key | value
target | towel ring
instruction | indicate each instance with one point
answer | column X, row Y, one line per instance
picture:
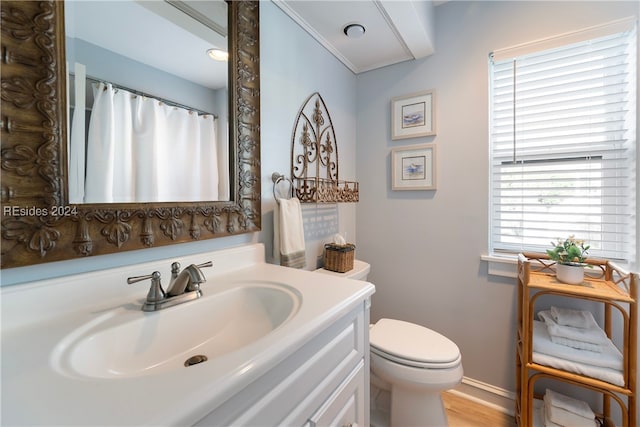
column 276, row 178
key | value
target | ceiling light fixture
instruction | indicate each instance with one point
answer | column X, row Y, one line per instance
column 354, row 31
column 218, row 54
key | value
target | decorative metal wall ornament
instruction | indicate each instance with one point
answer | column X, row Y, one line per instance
column 314, row 157
column 38, row 225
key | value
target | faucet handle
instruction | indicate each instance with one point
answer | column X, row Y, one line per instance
column 156, row 293
column 175, row 270
column 135, row 279
column 205, row 264
column 175, row 267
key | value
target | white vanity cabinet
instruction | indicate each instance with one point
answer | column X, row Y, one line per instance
column 283, row 347
column 345, row 406
column 325, row 382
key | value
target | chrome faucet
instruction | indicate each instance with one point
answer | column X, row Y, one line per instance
column 184, row 286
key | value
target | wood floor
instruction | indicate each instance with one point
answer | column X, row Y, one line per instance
column 466, row 413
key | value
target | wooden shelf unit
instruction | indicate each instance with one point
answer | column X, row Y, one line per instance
column 605, row 283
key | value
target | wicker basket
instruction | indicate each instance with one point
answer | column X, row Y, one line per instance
column 339, row 257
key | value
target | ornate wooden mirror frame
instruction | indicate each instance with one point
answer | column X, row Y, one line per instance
column 38, row 224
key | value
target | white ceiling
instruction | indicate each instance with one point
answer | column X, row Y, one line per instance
column 396, row 31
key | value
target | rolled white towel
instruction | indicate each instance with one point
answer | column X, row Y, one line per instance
column 593, row 335
column 568, row 405
column 576, row 318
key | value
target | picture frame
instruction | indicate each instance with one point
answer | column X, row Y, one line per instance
column 413, row 115
column 413, row 167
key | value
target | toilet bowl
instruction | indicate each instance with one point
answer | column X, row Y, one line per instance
column 410, row 366
column 415, row 364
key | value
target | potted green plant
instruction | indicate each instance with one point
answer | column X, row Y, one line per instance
column 570, row 255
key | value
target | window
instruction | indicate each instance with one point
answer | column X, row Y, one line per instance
column 563, row 142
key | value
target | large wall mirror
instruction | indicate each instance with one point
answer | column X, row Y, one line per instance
column 43, row 217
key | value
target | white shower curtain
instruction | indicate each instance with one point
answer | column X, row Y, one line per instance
column 142, row 150
column 77, row 138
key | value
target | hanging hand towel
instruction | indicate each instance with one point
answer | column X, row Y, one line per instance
column 290, row 233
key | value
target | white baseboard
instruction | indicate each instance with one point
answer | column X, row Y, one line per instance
column 486, row 394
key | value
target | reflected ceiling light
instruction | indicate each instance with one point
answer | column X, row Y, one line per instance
column 354, row 31
column 218, row 54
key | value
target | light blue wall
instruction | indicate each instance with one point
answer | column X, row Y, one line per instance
column 293, row 66
column 425, row 247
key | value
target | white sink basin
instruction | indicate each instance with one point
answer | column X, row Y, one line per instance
column 82, row 340
column 131, row 344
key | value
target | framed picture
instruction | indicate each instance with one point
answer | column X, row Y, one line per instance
column 413, row 167
column 413, row 115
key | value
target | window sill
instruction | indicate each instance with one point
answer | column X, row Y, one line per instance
column 504, row 265
column 507, row 265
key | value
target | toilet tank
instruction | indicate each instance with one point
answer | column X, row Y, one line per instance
column 360, row 271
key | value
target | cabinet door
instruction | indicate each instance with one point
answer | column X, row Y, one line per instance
column 345, row 407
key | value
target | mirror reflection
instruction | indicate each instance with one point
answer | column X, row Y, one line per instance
column 147, row 105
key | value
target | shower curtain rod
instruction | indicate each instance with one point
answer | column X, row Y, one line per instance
column 139, row 93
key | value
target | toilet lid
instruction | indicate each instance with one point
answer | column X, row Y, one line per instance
column 412, row 344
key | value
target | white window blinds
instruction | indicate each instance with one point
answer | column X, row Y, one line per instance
column 563, row 142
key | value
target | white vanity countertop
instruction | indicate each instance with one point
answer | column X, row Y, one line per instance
column 37, row 317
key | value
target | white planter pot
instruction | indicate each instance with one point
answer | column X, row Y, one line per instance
column 571, row 274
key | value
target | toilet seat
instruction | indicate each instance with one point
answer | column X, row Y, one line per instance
column 413, row 345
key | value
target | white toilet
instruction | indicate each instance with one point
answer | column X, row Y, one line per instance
column 410, row 366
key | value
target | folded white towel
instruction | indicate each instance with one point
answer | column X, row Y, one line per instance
column 611, row 376
column 576, row 318
column 597, row 348
column 555, row 416
column 610, row 358
column 289, row 233
column 592, row 335
column 546, row 421
column 567, row 411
